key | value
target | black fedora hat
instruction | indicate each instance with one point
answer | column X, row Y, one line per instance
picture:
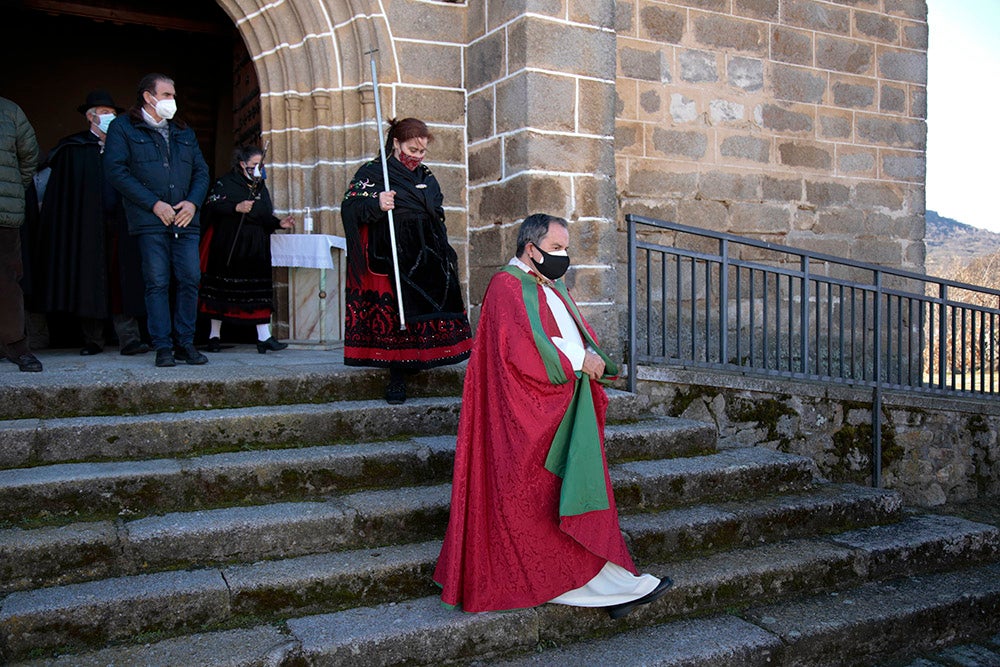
column 99, row 98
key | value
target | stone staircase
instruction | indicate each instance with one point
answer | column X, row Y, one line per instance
column 285, row 516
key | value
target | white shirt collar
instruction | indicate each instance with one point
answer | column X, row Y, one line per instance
column 149, row 120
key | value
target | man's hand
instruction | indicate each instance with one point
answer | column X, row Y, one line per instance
column 164, row 212
column 244, row 206
column 185, row 213
column 593, row 365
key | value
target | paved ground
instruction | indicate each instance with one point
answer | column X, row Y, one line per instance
column 63, row 367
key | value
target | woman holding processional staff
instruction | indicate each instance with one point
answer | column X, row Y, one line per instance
column 433, row 329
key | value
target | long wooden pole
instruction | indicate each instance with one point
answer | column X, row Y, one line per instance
column 385, row 178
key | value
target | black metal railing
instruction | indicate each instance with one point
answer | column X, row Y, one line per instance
column 703, row 299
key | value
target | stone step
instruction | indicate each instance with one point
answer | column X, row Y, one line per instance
column 407, row 630
column 893, row 619
column 39, row 441
column 708, row 528
column 364, row 518
column 33, row 442
column 889, row 619
column 129, row 488
column 730, row 474
column 123, row 386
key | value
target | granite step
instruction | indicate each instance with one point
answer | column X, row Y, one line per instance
column 708, row 528
column 107, row 387
column 39, row 441
column 87, row 551
column 362, row 518
column 129, row 488
column 859, row 626
column 885, row 619
column 386, row 580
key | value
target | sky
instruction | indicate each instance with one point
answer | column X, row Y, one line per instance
column 963, row 111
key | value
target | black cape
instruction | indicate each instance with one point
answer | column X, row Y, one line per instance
column 84, row 262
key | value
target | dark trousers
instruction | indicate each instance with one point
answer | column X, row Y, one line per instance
column 12, row 333
column 126, row 328
column 163, row 255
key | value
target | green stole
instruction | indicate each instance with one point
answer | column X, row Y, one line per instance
column 575, row 453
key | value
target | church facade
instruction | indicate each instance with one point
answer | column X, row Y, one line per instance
column 796, row 121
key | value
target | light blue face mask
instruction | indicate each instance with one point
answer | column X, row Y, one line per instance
column 104, row 121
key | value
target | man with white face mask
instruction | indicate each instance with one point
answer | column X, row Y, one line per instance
column 82, row 262
column 154, row 161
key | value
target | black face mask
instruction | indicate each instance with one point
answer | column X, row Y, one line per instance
column 552, row 267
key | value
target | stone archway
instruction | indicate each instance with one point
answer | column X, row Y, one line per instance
column 316, row 103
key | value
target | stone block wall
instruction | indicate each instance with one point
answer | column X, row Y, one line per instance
column 800, row 122
column 540, row 91
column 934, row 449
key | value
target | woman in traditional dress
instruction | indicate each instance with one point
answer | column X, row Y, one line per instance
column 236, row 251
column 437, row 330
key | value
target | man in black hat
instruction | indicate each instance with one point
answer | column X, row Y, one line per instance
column 89, row 265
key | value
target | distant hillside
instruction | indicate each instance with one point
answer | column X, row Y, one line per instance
column 952, row 244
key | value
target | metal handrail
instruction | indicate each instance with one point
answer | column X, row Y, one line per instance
column 706, row 299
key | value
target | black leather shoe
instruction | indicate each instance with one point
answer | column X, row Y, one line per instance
column 395, row 392
column 135, row 347
column 190, row 355
column 91, row 349
column 27, row 363
column 165, row 357
column 214, row 345
column 270, row 344
column 625, row 608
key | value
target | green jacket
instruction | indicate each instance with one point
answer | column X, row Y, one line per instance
column 18, row 162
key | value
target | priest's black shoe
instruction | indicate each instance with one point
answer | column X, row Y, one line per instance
column 270, row 344
column 189, row 354
column 214, row 344
column 625, row 608
column 27, row 363
column 91, row 349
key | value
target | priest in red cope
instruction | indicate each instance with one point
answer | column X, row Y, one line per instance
column 533, row 516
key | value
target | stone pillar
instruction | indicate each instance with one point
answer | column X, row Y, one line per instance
column 541, row 139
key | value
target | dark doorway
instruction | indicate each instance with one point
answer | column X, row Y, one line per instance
column 62, row 49
column 67, row 48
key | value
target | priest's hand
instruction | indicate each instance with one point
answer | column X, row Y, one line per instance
column 244, row 206
column 288, row 222
column 593, row 365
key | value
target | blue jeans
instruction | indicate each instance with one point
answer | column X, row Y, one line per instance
column 162, row 254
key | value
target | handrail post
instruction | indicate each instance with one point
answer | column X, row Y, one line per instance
column 804, row 317
column 632, row 300
column 877, row 394
column 723, row 301
column 942, row 335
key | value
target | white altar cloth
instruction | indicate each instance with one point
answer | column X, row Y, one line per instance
column 310, row 251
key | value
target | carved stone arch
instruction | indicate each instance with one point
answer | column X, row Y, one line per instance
column 316, row 106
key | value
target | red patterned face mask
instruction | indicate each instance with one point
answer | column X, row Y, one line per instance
column 409, row 161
